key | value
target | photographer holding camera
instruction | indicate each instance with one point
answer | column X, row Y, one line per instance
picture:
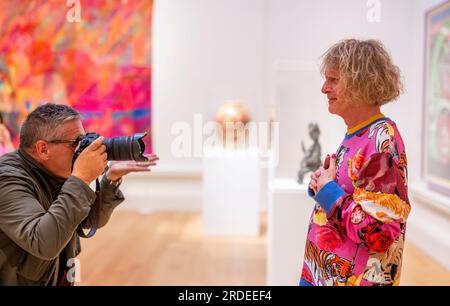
column 45, row 195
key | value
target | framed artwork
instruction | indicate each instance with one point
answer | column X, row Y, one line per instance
column 95, row 58
column 436, row 150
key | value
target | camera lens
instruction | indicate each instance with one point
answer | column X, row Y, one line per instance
column 126, row 147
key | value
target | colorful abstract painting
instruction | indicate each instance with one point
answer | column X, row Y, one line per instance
column 437, row 99
column 94, row 55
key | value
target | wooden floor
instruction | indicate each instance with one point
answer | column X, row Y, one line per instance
column 168, row 248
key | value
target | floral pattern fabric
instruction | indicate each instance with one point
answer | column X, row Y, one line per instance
column 357, row 229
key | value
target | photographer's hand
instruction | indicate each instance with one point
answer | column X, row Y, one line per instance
column 117, row 169
column 91, row 162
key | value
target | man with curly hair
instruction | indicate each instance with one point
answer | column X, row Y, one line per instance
column 357, row 229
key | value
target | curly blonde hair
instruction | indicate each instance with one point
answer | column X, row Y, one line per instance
column 366, row 71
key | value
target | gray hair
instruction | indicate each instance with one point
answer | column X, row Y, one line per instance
column 43, row 123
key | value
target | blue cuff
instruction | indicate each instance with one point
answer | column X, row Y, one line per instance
column 304, row 283
column 328, row 195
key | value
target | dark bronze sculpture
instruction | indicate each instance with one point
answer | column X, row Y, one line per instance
column 312, row 160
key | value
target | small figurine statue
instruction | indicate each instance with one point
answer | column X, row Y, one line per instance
column 312, row 160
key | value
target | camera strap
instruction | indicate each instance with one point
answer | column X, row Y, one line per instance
column 95, row 213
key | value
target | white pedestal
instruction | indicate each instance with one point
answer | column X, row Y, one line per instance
column 231, row 192
column 290, row 208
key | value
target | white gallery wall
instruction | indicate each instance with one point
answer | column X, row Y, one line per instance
column 429, row 221
column 204, row 53
column 266, row 52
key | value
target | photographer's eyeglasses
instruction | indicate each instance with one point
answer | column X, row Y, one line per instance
column 73, row 143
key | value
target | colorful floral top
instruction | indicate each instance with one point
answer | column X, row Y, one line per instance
column 357, row 229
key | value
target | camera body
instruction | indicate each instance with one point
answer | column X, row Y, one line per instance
column 85, row 141
column 117, row 148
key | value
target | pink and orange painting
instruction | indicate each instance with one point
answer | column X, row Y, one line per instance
column 98, row 62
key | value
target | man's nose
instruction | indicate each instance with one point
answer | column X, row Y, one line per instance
column 325, row 88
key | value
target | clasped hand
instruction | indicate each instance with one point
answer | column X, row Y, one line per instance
column 323, row 175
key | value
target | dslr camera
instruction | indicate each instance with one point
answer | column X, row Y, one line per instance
column 117, row 148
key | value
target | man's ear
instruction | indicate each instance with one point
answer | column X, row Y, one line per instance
column 42, row 150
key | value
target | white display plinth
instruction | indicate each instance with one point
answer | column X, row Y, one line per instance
column 231, row 192
column 290, row 208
